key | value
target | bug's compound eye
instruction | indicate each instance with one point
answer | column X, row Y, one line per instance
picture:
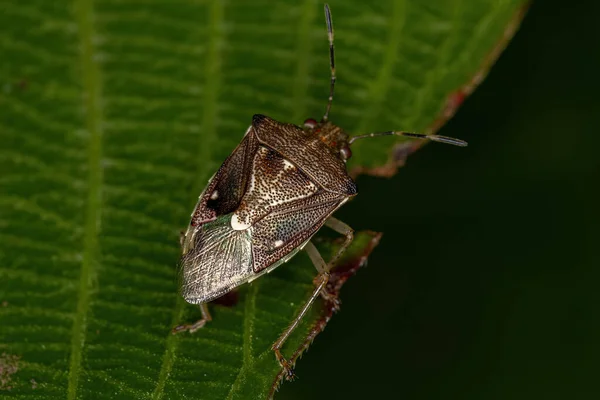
column 345, row 152
column 310, row 123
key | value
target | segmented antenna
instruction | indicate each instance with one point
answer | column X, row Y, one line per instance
column 435, row 138
column 331, row 60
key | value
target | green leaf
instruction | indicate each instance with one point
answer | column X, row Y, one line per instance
column 114, row 114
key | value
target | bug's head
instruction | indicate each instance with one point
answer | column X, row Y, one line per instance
column 331, row 135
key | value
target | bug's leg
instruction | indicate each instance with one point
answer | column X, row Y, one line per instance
column 347, row 231
column 320, row 284
column 343, row 229
column 320, row 287
column 206, row 317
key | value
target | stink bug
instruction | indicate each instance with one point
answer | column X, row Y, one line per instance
column 278, row 187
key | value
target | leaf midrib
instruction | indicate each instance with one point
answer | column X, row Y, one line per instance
column 92, row 90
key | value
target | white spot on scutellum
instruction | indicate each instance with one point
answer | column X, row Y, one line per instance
column 214, row 195
column 278, row 243
column 236, row 225
column 288, row 165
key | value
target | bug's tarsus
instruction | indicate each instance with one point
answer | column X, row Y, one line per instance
column 435, row 138
column 331, row 61
column 331, row 300
column 206, row 317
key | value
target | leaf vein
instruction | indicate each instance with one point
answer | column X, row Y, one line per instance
column 91, row 84
column 210, row 93
column 379, row 88
column 425, row 91
column 247, row 358
column 303, row 49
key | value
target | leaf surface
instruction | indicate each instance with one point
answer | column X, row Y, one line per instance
column 114, row 115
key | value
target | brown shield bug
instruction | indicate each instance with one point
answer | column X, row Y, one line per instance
column 278, row 187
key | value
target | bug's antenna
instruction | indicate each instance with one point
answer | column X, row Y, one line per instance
column 435, row 138
column 331, row 60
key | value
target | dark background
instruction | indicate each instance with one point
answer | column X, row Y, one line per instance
column 485, row 285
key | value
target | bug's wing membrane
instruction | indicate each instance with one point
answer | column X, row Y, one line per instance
column 227, row 187
column 217, row 260
column 276, row 236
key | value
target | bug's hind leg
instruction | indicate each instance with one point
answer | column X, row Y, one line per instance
column 206, row 317
column 320, row 282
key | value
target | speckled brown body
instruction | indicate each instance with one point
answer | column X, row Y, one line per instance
column 270, row 196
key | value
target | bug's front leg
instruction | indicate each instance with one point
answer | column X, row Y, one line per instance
column 343, row 229
column 320, row 282
column 206, row 317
